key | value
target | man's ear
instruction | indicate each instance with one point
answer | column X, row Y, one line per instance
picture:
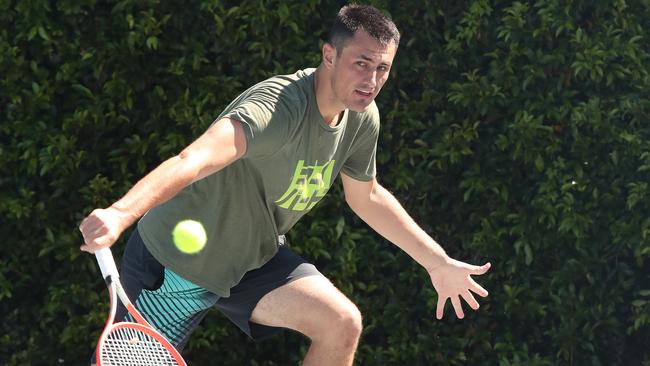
column 329, row 55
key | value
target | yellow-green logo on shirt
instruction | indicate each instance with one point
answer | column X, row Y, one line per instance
column 308, row 186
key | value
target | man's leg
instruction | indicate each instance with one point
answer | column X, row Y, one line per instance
column 314, row 307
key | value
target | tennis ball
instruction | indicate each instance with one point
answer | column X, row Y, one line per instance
column 189, row 236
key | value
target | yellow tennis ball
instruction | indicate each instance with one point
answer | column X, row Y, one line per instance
column 189, row 236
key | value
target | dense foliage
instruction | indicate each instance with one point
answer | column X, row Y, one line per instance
column 514, row 132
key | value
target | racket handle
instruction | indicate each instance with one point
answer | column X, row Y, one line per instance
column 107, row 263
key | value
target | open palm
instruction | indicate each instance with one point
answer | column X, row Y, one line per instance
column 453, row 280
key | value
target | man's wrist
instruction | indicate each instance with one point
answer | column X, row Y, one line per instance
column 125, row 217
column 439, row 260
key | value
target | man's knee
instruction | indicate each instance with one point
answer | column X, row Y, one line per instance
column 352, row 325
column 351, row 321
column 344, row 325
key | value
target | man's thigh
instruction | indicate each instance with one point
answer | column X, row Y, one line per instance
column 284, row 268
column 309, row 305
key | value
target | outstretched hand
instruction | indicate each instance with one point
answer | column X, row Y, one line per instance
column 452, row 280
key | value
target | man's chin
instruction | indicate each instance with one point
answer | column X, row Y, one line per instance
column 360, row 107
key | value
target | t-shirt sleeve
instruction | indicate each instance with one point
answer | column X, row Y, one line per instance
column 361, row 162
column 267, row 117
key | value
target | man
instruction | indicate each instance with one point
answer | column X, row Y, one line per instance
column 269, row 157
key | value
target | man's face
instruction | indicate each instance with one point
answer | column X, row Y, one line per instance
column 360, row 70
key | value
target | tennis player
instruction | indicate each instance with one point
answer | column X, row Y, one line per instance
column 268, row 158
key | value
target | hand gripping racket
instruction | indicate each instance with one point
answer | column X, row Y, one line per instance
column 128, row 343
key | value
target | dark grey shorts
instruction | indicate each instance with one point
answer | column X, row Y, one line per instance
column 176, row 306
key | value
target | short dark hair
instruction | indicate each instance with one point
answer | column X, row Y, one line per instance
column 354, row 17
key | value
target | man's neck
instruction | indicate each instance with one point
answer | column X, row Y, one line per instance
column 329, row 108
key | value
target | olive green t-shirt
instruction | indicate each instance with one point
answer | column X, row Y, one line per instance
column 292, row 159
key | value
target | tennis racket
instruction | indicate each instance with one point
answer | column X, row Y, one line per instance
column 128, row 343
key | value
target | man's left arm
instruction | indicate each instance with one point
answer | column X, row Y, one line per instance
column 381, row 211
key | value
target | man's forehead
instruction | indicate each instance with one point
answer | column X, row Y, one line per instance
column 362, row 45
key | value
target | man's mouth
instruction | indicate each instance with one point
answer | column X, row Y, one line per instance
column 365, row 93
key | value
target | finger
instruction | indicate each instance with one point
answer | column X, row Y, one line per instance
column 440, row 308
column 95, row 245
column 93, row 231
column 83, row 226
column 87, row 220
column 479, row 270
column 89, row 247
column 95, row 241
column 457, row 307
column 93, row 226
column 86, row 225
column 477, row 289
column 470, row 300
column 98, row 231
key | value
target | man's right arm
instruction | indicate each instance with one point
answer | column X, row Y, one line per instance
column 222, row 144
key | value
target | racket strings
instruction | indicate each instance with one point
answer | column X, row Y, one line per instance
column 132, row 347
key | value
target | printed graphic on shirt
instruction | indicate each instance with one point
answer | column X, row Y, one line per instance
column 308, row 186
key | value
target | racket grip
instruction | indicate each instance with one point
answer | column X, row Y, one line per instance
column 107, row 263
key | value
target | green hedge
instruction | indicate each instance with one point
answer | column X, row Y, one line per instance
column 514, row 132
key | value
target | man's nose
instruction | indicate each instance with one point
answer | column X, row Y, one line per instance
column 371, row 78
